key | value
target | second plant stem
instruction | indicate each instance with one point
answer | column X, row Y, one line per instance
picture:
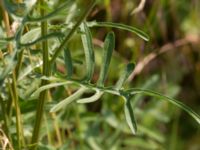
column 46, row 72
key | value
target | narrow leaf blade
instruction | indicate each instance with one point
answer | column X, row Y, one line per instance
column 49, row 86
column 125, row 74
column 91, row 99
column 129, row 115
column 89, row 51
column 68, row 100
column 138, row 32
column 68, row 62
column 109, row 46
column 177, row 103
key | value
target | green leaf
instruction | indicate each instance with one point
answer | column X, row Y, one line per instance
column 93, row 98
column 17, row 9
column 109, row 46
column 32, row 38
column 24, row 72
column 9, row 67
column 129, row 115
column 138, row 32
column 89, row 51
column 71, row 32
column 52, row 85
column 125, row 74
column 171, row 100
column 68, row 62
column 31, row 35
column 68, row 100
column 63, row 9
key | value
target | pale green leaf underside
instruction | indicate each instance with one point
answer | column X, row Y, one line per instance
column 88, row 50
column 93, row 98
column 68, row 100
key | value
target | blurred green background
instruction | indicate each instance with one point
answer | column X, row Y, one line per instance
column 169, row 63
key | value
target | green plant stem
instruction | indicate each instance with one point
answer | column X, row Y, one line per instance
column 19, row 128
column 8, row 32
column 46, row 72
column 67, row 38
column 5, row 118
column 10, row 102
column 19, row 63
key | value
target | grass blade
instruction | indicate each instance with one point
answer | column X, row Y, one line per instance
column 138, row 32
column 109, row 45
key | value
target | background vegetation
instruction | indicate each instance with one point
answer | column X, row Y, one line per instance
column 168, row 63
